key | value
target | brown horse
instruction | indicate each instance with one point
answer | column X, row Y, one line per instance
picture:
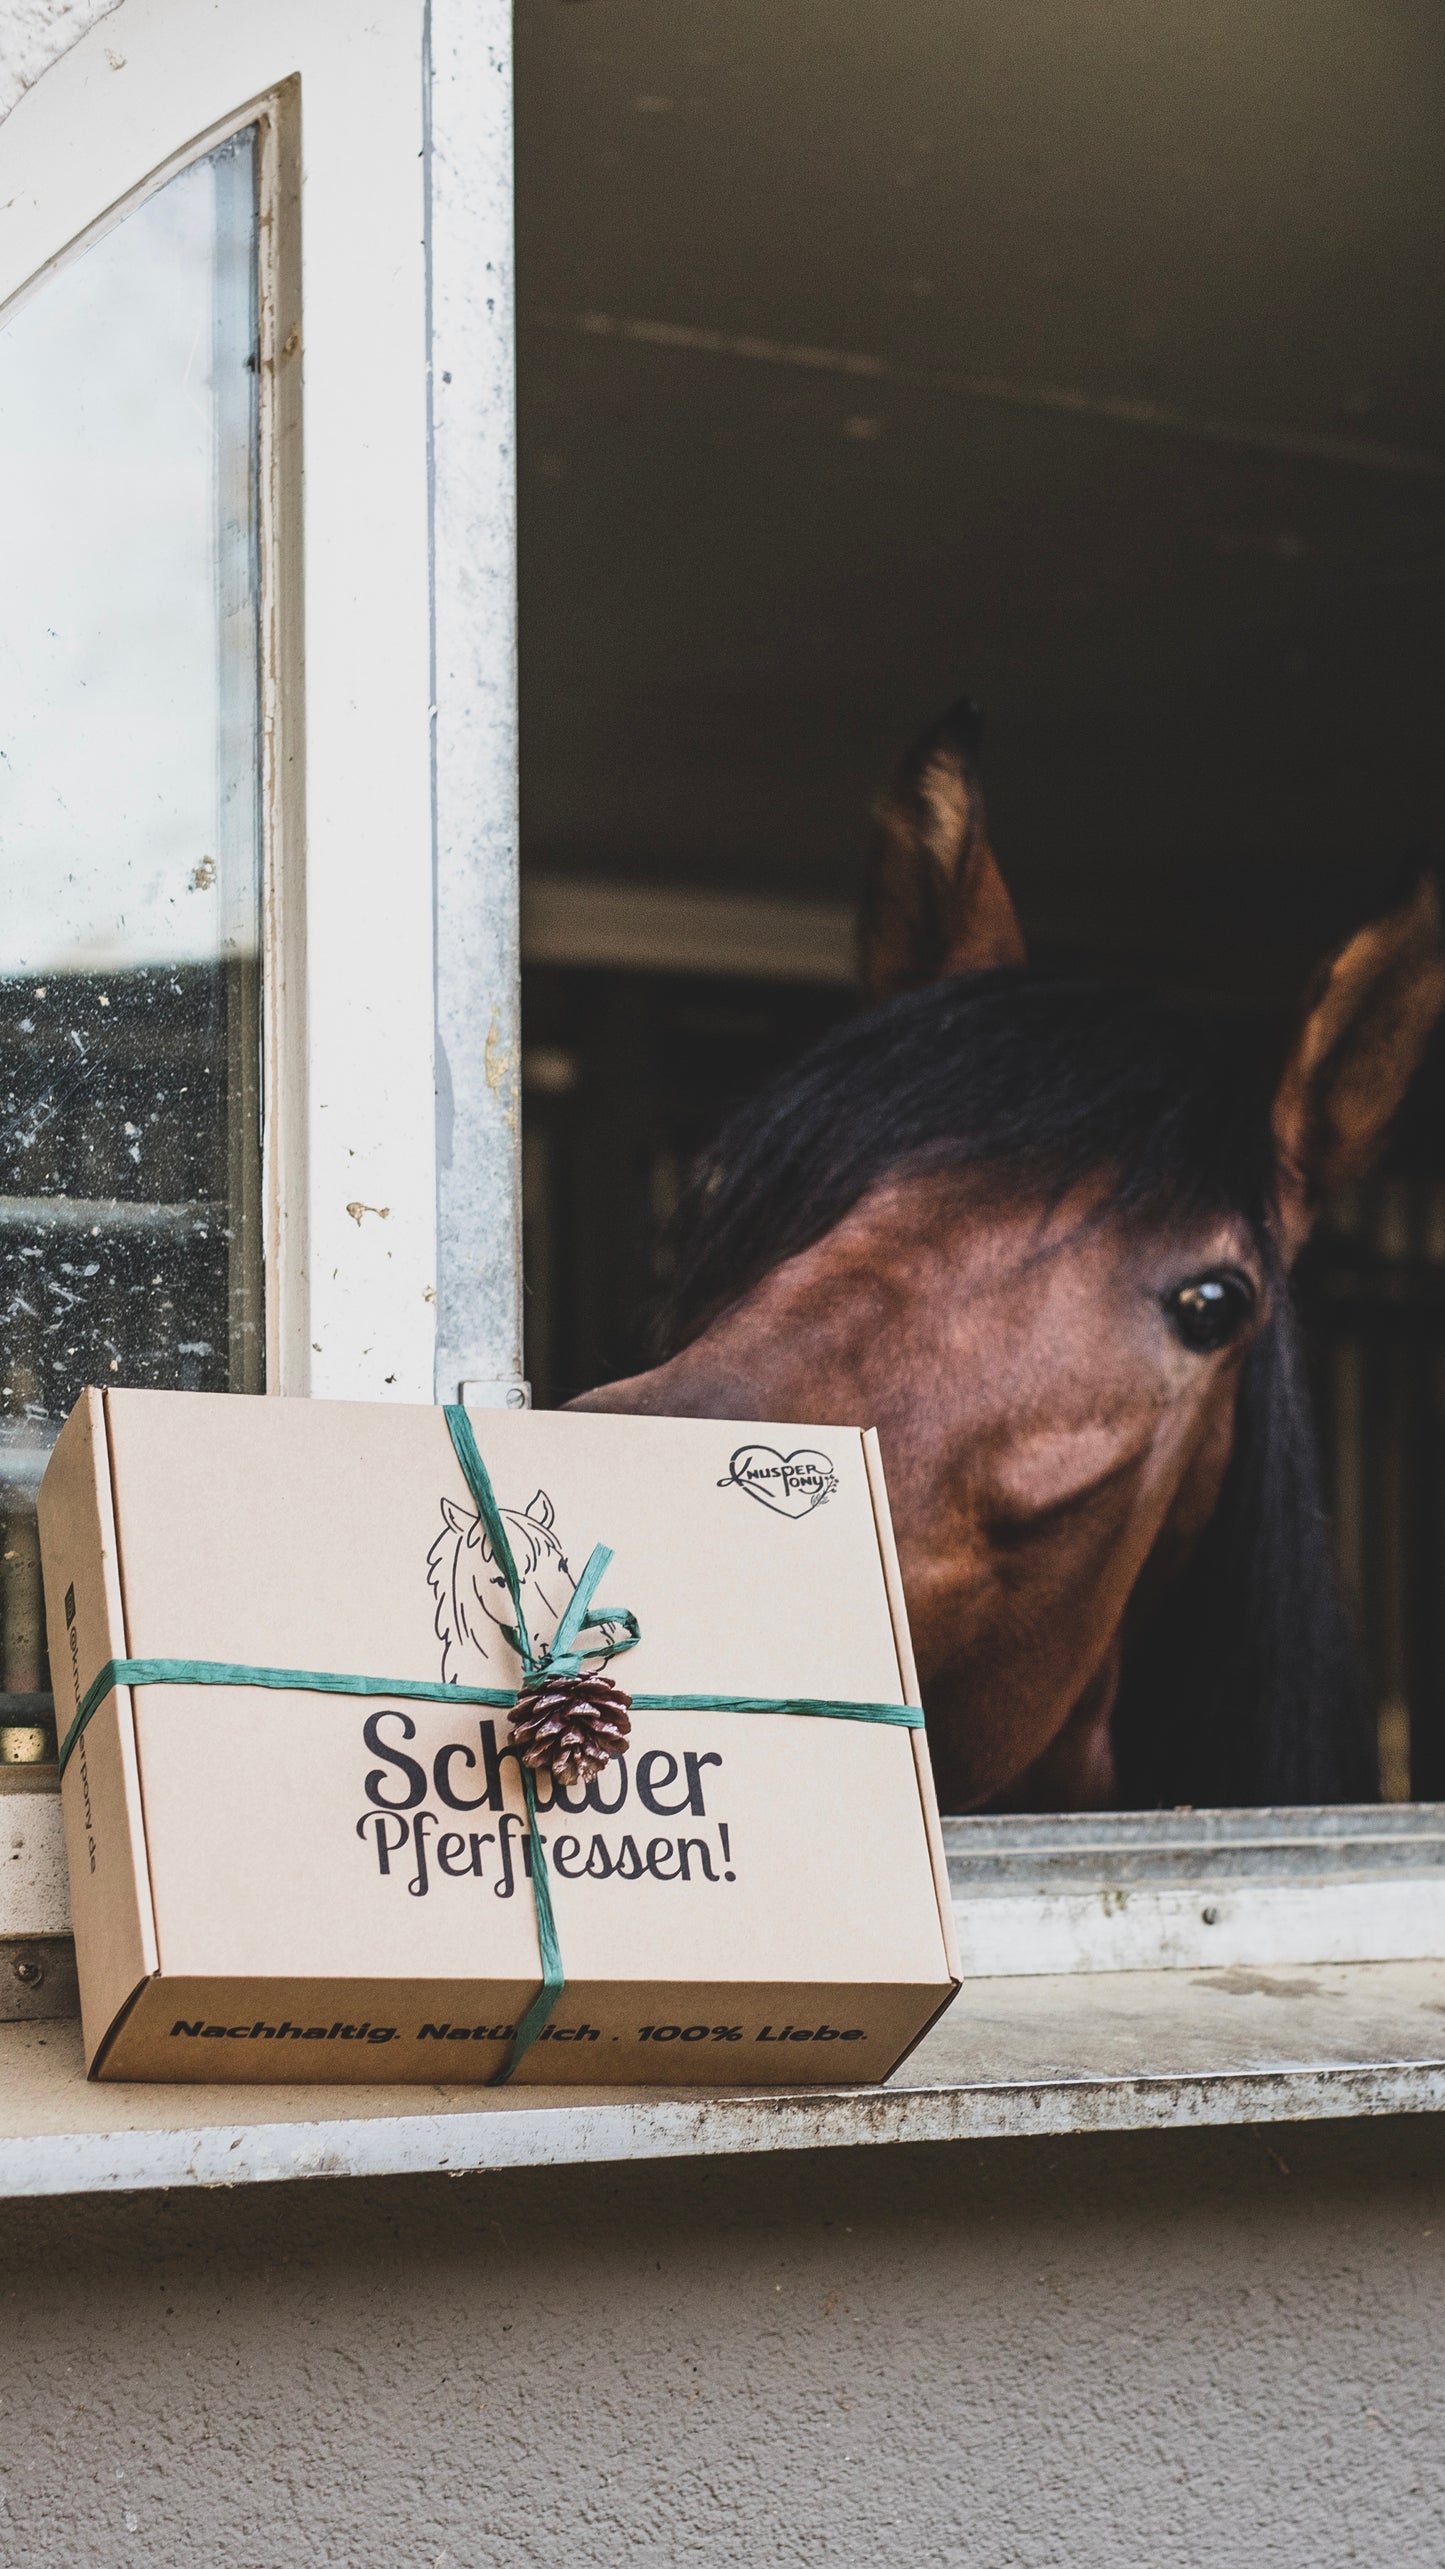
column 1038, row 1231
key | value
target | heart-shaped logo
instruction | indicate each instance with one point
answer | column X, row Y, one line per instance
column 792, row 1484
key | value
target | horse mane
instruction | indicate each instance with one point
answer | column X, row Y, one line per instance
column 1241, row 1683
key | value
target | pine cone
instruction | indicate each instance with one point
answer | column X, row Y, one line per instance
column 571, row 1725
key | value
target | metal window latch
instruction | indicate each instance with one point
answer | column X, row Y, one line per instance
column 509, row 1393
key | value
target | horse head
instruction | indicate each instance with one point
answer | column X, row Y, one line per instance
column 1038, row 1230
column 473, row 1603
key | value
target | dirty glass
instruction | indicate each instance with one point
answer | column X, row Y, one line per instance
column 129, row 843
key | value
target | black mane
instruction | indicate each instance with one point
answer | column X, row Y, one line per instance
column 1243, row 1686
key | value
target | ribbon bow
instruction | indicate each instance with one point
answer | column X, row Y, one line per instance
column 562, row 1657
column 565, row 1655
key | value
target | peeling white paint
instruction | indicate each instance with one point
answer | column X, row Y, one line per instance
column 1160, row 2051
column 469, row 174
column 34, row 1890
column 35, row 33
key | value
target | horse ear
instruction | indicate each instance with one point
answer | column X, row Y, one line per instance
column 457, row 1517
column 541, row 1511
column 934, row 901
column 1367, row 1019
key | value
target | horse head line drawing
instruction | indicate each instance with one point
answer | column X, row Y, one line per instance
column 473, row 1604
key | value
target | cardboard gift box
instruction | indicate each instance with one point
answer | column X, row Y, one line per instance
column 275, row 1881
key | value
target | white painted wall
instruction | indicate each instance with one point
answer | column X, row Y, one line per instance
column 34, row 33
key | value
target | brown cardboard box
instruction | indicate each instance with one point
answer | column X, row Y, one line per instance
column 291, row 1885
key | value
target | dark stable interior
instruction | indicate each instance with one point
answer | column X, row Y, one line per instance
column 1090, row 362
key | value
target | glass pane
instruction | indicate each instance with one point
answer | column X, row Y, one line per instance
column 130, row 842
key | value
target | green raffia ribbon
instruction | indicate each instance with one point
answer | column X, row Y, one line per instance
column 566, row 1656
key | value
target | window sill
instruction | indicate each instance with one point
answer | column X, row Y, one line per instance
column 1052, row 2054
column 1122, row 1973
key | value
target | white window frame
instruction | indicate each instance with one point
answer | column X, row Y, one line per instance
column 388, row 584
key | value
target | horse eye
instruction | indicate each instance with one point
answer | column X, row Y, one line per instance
column 1209, row 1311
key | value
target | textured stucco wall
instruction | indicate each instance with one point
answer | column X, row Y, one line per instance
column 1198, row 2351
